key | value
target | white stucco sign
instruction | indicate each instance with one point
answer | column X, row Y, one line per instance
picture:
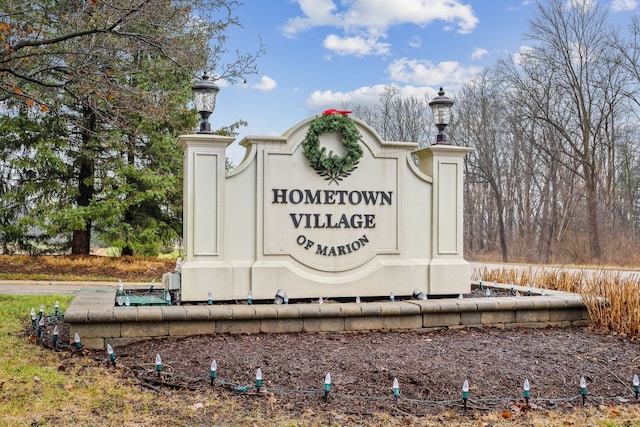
column 322, row 213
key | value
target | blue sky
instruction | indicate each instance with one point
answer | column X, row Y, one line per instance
column 321, row 53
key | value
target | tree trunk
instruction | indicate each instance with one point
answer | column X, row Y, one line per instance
column 81, row 239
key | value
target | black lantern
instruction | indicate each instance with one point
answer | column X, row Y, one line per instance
column 441, row 107
column 205, row 92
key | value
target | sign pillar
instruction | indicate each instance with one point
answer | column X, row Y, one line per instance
column 449, row 273
column 204, row 198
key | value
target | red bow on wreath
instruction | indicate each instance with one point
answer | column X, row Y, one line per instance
column 333, row 111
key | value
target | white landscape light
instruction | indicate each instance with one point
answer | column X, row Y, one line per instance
column 465, row 393
column 112, row 355
column 327, row 386
column 120, row 287
column 56, row 333
column 158, row 363
column 583, row 390
column 76, row 339
column 392, row 297
column 204, row 97
column 526, row 390
column 396, row 391
column 250, row 298
column 209, row 298
column 56, row 308
column 636, row 385
column 258, row 379
column 280, row 297
column 214, row 370
column 127, row 303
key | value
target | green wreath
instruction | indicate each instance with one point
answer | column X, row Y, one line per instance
column 328, row 165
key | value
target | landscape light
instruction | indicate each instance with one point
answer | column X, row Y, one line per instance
column 76, row 338
column 526, row 388
column 280, row 296
column 286, row 298
column 441, row 107
column 357, row 299
column 204, row 96
column 396, row 391
column 56, row 308
column 250, row 298
column 320, row 300
column 158, row 363
column 488, row 292
column 258, row 379
column 213, row 372
column 480, row 284
column 209, row 298
column 56, row 333
column 327, row 386
column 41, row 309
column 34, row 318
column 460, row 296
column 40, row 327
column 583, row 390
column 120, row 287
column 127, row 303
column 465, row 393
column 112, row 355
column 119, row 300
column 152, row 285
column 392, row 297
column 636, row 385
column 168, row 298
column 419, row 295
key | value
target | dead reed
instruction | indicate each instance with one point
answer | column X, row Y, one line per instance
column 611, row 297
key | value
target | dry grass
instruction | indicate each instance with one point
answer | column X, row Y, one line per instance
column 612, row 298
column 83, row 268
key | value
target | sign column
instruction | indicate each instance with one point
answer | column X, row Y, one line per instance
column 449, row 273
column 203, row 210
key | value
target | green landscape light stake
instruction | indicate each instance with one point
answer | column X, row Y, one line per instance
column 525, row 391
column 56, row 309
column 158, row 364
column 636, row 385
column 56, row 333
column 34, row 318
column 209, row 298
column 250, row 298
column 583, row 390
column 327, row 386
column 396, row 391
column 465, row 394
column 258, row 379
column 112, row 355
column 213, row 372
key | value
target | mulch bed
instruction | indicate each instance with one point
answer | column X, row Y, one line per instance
column 430, row 368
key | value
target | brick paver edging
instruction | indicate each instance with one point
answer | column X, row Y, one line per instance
column 98, row 321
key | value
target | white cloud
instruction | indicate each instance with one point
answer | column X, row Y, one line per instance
column 358, row 46
column 374, row 17
column 622, row 5
column 479, row 53
column 317, row 13
column 366, row 95
column 266, row 84
column 424, row 73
